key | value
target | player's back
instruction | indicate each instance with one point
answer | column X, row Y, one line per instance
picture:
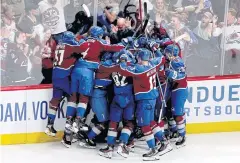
column 122, row 84
column 91, row 53
column 91, row 50
column 64, row 60
column 145, row 82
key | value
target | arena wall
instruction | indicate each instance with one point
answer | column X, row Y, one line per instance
column 213, row 105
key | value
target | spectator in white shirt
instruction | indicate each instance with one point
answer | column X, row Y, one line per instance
column 53, row 16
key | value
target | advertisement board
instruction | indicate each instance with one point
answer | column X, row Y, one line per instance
column 213, row 101
column 212, row 106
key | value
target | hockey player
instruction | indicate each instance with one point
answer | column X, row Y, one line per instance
column 63, row 62
column 99, row 101
column 155, row 45
column 144, row 80
column 83, row 75
column 121, row 109
column 177, row 77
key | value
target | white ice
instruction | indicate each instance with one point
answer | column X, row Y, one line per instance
column 203, row 148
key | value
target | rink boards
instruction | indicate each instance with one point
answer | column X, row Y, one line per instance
column 213, row 105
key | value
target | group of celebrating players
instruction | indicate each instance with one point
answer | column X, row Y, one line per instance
column 144, row 74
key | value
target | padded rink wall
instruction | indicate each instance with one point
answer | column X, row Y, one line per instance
column 213, row 105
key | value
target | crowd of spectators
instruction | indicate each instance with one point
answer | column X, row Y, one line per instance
column 196, row 25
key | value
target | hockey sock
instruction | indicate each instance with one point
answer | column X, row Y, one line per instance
column 147, row 131
column 157, row 131
column 166, row 129
column 172, row 125
column 126, row 132
column 82, row 106
column 72, row 105
column 112, row 133
column 95, row 131
column 181, row 125
column 53, row 106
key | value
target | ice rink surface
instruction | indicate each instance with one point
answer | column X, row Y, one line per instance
column 203, row 148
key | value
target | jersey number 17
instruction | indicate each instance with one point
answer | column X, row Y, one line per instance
column 152, row 82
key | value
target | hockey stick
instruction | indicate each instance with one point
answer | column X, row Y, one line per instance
column 145, row 9
column 165, row 90
column 140, row 12
column 162, row 96
column 158, row 79
column 146, row 16
column 86, row 10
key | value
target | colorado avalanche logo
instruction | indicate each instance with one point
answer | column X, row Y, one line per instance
column 51, row 17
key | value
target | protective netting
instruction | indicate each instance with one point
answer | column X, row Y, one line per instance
column 208, row 32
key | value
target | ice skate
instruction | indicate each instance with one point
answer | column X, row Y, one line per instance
column 68, row 133
column 151, row 155
column 181, row 142
column 131, row 146
column 67, row 140
column 85, row 141
column 79, row 125
column 75, row 138
column 167, row 134
column 75, row 128
column 123, row 150
column 164, row 147
column 174, row 136
column 106, row 152
column 50, row 131
column 69, row 125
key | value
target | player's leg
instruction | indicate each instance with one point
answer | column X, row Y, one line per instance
column 100, row 108
column 170, row 126
column 160, row 107
column 163, row 119
column 70, row 114
column 144, row 113
column 86, row 81
column 157, row 127
column 162, row 142
column 72, row 102
column 115, row 118
column 53, row 106
column 128, row 126
column 179, row 98
column 173, row 130
column 159, row 103
column 158, row 130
